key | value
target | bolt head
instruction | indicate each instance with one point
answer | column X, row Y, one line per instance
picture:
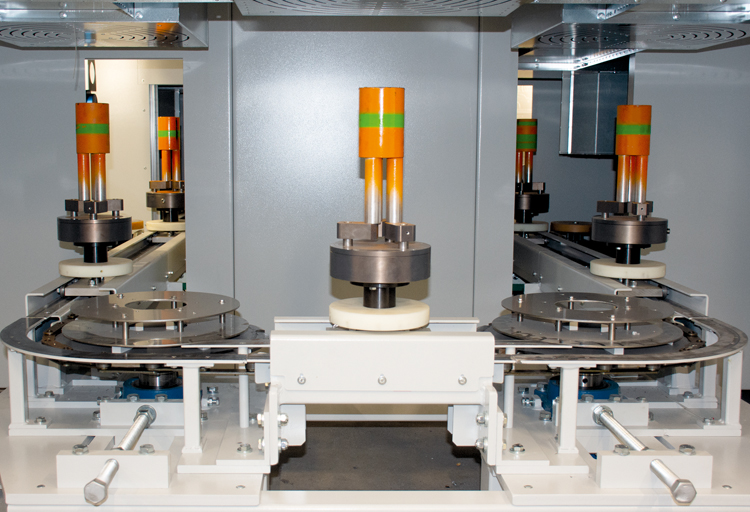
column 204, row 416
column 49, row 394
column 545, row 416
column 621, row 449
column 382, row 380
column 301, row 379
column 462, row 380
column 687, row 449
column 147, row 449
column 40, row 420
column 587, row 397
column 212, row 390
column 80, row 449
column 481, row 419
column 244, row 448
column 161, row 398
column 615, row 398
column 642, row 399
column 688, row 394
column 708, row 421
column 96, row 415
column 481, row 444
column 283, row 418
column 95, row 492
column 517, row 448
column 283, row 445
column 683, row 491
column 259, row 417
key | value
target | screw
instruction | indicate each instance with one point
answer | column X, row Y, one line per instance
column 96, row 415
column 49, row 394
column 120, row 296
column 706, row 421
column 204, row 416
column 133, row 397
column 642, row 399
column 542, row 387
column 615, row 398
column 261, row 443
column 301, row 379
column 80, row 449
column 259, row 419
column 461, row 380
column 527, row 402
column 600, row 16
column 161, row 398
column 244, row 448
column 212, row 400
column 588, row 398
column 283, row 418
column 41, row 420
column 481, row 444
column 481, row 419
column 212, row 390
column 517, row 448
column 545, row 416
column 687, row 449
column 688, row 394
column 382, row 380
column 283, row 445
column 621, row 449
column 147, row 449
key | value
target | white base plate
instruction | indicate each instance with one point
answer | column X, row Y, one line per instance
column 532, row 227
column 113, row 268
column 352, row 314
column 160, row 225
column 646, row 269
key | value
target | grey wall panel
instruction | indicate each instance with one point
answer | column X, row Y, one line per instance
column 495, row 177
column 698, row 172
column 574, row 184
column 297, row 170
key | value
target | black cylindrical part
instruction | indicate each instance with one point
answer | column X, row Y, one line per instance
column 379, row 296
column 94, row 253
column 628, row 254
column 170, row 215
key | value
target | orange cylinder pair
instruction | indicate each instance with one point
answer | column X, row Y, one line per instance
column 169, row 132
column 92, row 128
column 633, row 130
column 381, row 122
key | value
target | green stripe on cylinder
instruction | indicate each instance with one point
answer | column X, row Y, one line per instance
column 526, row 123
column 168, row 133
column 633, row 129
column 526, row 145
column 384, row 121
column 526, row 137
column 92, row 129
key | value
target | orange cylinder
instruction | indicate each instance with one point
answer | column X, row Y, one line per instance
column 633, row 130
column 169, row 132
column 92, row 128
column 166, row 165
column 176, row 168
column 526, row 135
column 84, row 177
column 381, row 122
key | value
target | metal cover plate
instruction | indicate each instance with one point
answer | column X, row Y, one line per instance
column 377, row 7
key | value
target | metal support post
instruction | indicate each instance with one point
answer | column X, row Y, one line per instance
column 19, row 412
column 567, row 408
column 731, row 390
column 244, row 383
column 509, row 385
column 191, row 398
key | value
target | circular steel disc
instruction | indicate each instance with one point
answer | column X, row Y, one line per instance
column 640, row 335
column 106, row 334
column 154, row 307
column 588, row 308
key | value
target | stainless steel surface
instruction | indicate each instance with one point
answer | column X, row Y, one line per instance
column 95, row 492
column 356, row 231
column 682, row 490
column 380, row 262
column 533, row 202
column 154, row 307
column 603, row 416
column 165, row 25
column 384, row 8
column 588, row 308
column 629, row 230
column 165, row 200
column 201, row 331
column 638, row 336
column 104, row 229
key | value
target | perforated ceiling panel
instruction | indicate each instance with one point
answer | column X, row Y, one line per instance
column 120, row 35
column 377, row 7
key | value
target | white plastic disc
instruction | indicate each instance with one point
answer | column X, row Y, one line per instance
column 114, row 267
column 646, row 269
column 531, row 227
column 160, row 225
column 352, row 314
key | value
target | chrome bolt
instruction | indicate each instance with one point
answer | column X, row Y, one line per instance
column 545, row 416
column 133, row 397
column 588, row 398
column 381, row 379
column 213, row 400
column 147, row 449
column 708, row 421
column 615, row 398
column 283, row 445
column 687, row 449
column 49, row 394
column 461, row 380
column 481, row 419
column 301, row 379
column 481, row 444
column 527, row 402
column 96, row 415
column 621, row 449
column 244, row 448
column 40, row 420
column 80, row 449
column 283, row 418
column 212, row 390
column 688, row 394
column 517, row 448
column 261, row 443
column 259, row 418
column 161, row 398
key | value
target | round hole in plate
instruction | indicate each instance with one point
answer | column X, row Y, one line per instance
column 152, row 304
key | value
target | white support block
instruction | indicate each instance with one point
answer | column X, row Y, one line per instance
column 633, row 471
column 119, row 413
column 137, row 471
column 462, row 424
column 630, row 414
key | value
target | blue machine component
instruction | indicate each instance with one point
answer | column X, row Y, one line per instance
column 552, row 391
column 129, row 388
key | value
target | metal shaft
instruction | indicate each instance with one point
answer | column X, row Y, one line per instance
column 99, row 177
column 683, row 491
column 95, row 492
column 603, row 416
column 84, row 177
column 143, row 419
column 528, row 168
column 394, row 179
column 623, row 178
column 373, row 190
column 641, row 171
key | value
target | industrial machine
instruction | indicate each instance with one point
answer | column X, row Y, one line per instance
column 531, row 199
column 587, row 392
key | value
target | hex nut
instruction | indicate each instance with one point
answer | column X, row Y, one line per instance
column 133, row 397
column 621, row 449
column 161, row 397
column 80, row 449
column 517, row 448
column 96, row 415
column 40, row 420
column 683, row 491
column 545, row 416
column 147, row 449
column 95, row 492
column 687, row 449
column 587, row 397
column 244, row 448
